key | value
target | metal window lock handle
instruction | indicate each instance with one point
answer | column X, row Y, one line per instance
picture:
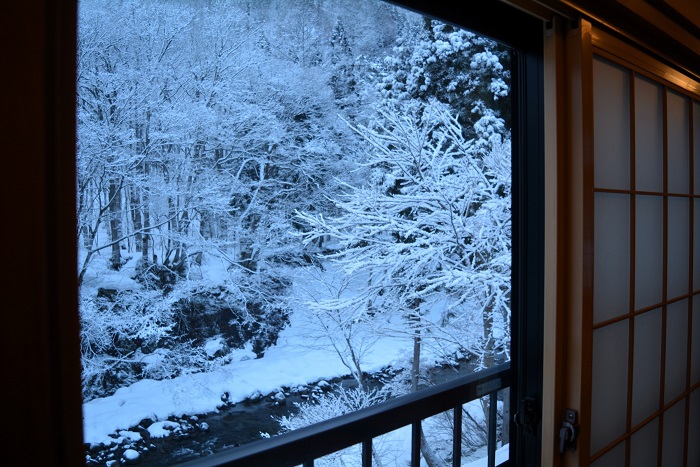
column 568, row 433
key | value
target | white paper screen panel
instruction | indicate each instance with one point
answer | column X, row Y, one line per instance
column 645, row 315
column 611, row 125
column 649, row 135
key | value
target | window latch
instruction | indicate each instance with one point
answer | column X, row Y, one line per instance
column 568, row 432
column 526, row 417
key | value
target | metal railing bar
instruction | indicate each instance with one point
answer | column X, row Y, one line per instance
column 367, row 453
column 415, row 444
column 493, row 408
column 296, row 447
column 457, row 437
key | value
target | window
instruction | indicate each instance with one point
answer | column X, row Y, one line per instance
column 41, row 105
column 197, row 156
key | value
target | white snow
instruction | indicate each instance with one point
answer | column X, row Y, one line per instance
column 130, row 435
column 131, row 454
column 290, row 363
column 163, row 429
column 212, row 346
column 501, row 457
column 300, row 357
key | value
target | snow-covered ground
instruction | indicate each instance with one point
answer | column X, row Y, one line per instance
column 302, row 355
column 290, row 363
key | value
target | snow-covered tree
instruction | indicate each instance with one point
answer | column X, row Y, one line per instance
column 434, row 60
column 431, row 226
column 204, row 128
column 201, row 129
column 333, row 404
column 337, row 329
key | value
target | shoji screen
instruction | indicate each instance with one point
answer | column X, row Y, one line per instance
column 645, row 329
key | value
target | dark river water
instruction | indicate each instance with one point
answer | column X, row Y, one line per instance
column 231, row 426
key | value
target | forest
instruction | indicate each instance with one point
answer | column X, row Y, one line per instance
column 247, row 167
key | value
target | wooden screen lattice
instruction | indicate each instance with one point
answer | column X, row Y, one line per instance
column 645, row 377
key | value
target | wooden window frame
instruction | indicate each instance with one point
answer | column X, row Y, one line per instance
column 585, row 41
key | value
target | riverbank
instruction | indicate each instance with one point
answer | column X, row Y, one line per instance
column 181, row 438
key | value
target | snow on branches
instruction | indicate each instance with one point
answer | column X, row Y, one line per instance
column 432, row 224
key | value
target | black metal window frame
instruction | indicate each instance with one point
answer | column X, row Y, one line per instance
column 525, row 35
column 523, row 374
column 303, row 446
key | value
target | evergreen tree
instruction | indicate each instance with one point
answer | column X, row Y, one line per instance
column 468, row 72
column 343, row 80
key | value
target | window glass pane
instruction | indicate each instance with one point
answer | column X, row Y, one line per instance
column 394, row 448
column 438, row 431
column 288, row 210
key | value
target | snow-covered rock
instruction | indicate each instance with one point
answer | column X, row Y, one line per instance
column 131, row 455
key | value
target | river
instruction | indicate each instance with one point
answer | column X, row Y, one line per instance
column 233, row 425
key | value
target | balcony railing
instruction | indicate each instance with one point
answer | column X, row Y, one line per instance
column 303, row 446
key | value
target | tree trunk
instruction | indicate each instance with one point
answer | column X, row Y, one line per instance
column 415, row 369
column 206, row 228
column 488, row 355
column 505, row 428
column 488, row 338
column 84, row 218
column 145, row 220
column 115, row 207
column 135, row 201
column 173, row 229
column 247, row 255
column 146, row 237
column 180, row 260
column 428, row 454
column 143, row 212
